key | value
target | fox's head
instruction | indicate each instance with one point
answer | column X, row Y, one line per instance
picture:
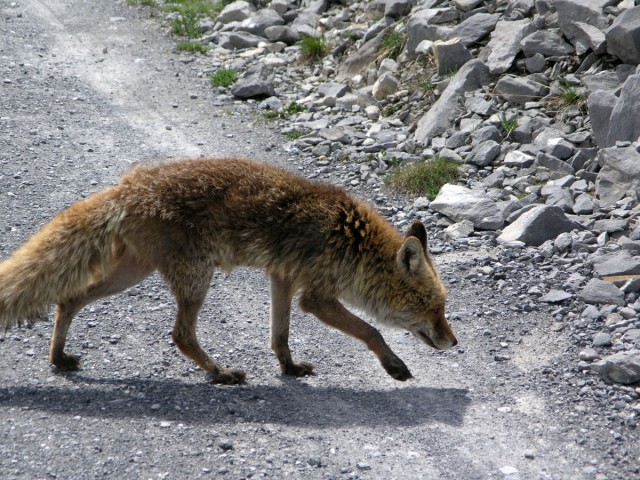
column 419, row 305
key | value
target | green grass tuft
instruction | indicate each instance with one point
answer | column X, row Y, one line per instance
column 224, row 77
column 313, row 49
column 392, row 44
column 425, row 178
column 508, row 124
column 192, row 47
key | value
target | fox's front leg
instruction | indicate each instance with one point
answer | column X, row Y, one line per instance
column 281, row 293
column 333, row 313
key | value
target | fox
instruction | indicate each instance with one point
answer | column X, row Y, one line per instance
column 187, row 218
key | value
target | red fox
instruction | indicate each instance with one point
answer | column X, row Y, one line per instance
column 187, row 218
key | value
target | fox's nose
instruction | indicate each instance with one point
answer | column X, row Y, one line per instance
column 455, row 342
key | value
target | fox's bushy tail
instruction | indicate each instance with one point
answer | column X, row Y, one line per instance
column 59, row 261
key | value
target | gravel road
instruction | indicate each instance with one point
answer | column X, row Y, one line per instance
column 87, row 89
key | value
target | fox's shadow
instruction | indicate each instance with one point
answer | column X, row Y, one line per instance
column 290, row 403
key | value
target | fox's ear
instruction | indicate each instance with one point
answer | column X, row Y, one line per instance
column 410, row 257
column 420, row 232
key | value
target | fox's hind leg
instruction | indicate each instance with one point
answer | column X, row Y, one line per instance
column 127, row 271
column 189, row 281
column 281, row 294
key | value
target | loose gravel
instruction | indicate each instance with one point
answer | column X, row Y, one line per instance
column 87, row 89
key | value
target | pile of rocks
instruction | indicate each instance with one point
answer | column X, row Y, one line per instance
column 536, row 99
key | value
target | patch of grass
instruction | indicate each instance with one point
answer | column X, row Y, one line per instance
column 291, row 109
column 186, row 25
column 391, row 44
column 192, row 47
column 424, row 178
column 293, row 134
column 272, row 115
column 224, row 77
column 145, row 3
column 508, row 124
column 570, row 95
column 294, row 108
column 313, row 49
column 427, row 86
column 190, row 12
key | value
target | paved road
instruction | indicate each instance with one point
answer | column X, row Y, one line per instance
column 89, row 88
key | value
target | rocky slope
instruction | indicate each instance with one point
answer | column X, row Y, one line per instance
column 535, row 99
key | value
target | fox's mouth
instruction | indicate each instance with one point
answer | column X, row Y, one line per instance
column 425, row 338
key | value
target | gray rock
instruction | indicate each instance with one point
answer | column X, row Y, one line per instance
column 616, row 263
column 554, row 164
column 257, row 81
column 621, row 367
column 584, row 204
column 610, row 225
column 516, row 158
column 535, row 63
column 505, row 43
column 484, row 134
column 333, row 89
column 598, row 291
column 480, row 106
column 600, row 104
column 384, row 86
column 545, row 42
column 359, row 61
column 236, row 12
column 561, row 198
column 619, row 176
column 397, row 8
column 602, row 339
column 556, row 296
column 462, row 229
column 589, row 354
column 537, row 225
column 239, row 40
column 466, row 5
column 438, row 119
column 420, row 27
column 588, row 36
column 282, row 33
column 474, row 28
column 484, row 153
column 622, row 36
column 450, row 55
column 260, row 21
column 560, row 148
column 571, row 12
column 624, row 123
column 520, row 90
column 460, row 203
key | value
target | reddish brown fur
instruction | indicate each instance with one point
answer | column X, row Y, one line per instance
column 187, row 218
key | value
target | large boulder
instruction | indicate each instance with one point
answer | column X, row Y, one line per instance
column 624, row 123
column 619, row 176
column 505, row 43
column 621, row 367
column 257, row 81
column 460, row 203
column 591, row 12
column 601, row 103
column 536, row 226
column 623, row 36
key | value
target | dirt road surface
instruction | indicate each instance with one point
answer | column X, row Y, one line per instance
column 88, row 88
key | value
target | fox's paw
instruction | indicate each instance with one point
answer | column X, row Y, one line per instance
column 397, row 369
column 229, row 376
column 67, row 362
column 298, row 369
